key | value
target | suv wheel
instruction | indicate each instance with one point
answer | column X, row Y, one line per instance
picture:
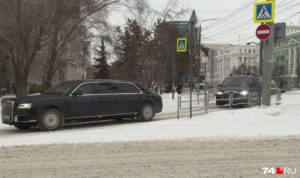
column 147, row 112
column 22, row 126
column 50, row 119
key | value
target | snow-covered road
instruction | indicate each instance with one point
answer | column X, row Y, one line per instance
column 277, row 120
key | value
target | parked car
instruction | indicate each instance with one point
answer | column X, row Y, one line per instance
column 81, row 102
column 241, row 86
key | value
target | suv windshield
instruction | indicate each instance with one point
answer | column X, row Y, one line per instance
column 59, row 89
column 235, row 82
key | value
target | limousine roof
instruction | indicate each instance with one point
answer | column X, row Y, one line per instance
column 100, row 81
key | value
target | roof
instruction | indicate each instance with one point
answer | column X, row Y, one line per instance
column 292, row 35
column 98, row 80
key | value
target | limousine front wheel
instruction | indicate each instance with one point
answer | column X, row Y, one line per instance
column 50, row 119
column 146, row 113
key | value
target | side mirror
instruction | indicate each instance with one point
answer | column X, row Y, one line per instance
column 78, row 93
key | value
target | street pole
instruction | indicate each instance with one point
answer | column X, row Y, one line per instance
column 84, row 48
column 192, row 23
column 200, row 28
column 267, row 68
column 261, row 45
column 173, row 70
column 191, row 72
column 212, row 66
column 83, row 65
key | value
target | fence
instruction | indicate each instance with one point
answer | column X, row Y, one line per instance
column 227, row 99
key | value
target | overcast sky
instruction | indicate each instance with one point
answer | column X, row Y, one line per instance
column 236, row 17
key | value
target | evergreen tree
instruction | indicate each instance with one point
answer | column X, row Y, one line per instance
column 102, row 66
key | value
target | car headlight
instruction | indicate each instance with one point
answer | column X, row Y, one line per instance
column 244, row 93
column 219, row 93
column 25, row 106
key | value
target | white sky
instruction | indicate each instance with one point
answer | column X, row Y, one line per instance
column 232, row 26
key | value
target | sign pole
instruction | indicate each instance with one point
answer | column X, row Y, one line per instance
column 173, row 70
column 261, row 45
column 191, row 74
column 267, row 69
column 264, row 12
column 193, row 21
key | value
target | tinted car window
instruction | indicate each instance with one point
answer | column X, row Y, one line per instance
column 59, row 89
column 98, row 88
column 235, row 82
column 127, row 88
column 144, row 90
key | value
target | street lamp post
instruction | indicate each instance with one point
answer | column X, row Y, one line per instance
column 200, row 33
column 84, row 48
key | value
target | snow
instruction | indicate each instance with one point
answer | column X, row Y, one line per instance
column 276, row 120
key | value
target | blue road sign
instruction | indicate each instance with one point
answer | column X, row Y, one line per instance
column 181, row 44
column 264, row 12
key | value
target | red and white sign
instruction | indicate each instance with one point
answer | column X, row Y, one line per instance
column 263, row 32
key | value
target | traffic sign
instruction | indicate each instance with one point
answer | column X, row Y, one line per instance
column 264, row 12
column 181, row 45
column 263, row 32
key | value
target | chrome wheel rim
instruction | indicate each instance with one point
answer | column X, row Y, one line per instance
column 51, row 120
column 147, row 112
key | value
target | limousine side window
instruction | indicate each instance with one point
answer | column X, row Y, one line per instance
column 127, row 88
column 98, row 88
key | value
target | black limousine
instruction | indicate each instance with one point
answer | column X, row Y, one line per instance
column 81, row 102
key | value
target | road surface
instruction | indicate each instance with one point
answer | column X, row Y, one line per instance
column 165, row 158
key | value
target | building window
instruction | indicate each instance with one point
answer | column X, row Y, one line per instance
column 245, row 51
column 254, row 51
column 241, row 51
column 249, row 51
column 240, row 60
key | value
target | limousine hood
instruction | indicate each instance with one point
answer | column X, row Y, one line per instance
column 32, row 99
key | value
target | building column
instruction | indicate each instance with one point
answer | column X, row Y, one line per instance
column 295, row 62
column 290, row 61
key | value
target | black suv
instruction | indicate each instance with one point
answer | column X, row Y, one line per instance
column 81, row 102
column 242, row 88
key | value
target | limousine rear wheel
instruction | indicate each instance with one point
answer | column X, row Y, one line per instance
column 50, row 119
column 147, row 112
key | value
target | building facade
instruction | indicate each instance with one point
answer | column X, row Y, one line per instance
column 286, row 65
column 229, row 57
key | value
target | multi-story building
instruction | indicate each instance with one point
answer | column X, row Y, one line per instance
column 286, row 65
column 229, row 57
column 210, row 68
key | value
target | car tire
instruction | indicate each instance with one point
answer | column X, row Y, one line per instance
column 147, row 113
column 22, row 126
column 50, row 119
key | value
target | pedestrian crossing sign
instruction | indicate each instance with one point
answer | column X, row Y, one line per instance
column 181, row 45
column 264, row 12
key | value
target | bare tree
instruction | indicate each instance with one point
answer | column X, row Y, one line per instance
column 171, row 11
column 22, row 30
column 69, row 26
